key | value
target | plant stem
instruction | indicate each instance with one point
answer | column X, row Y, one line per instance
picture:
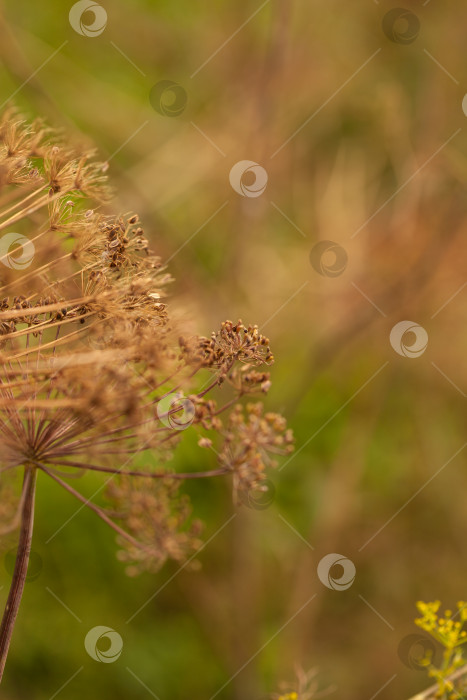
column 430, row 692
column 21, row 564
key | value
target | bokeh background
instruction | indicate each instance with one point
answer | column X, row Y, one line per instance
column 364, row 141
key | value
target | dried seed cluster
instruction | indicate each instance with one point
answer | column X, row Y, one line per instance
column 234, row 342
column 89, row 354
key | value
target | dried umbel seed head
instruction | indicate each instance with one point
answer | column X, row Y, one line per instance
column 233, row 343
column 91, row 373
column 88, row 352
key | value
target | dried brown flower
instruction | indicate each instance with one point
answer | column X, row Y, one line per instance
column 91, row 371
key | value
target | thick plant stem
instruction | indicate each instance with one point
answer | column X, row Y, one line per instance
column 21, row 565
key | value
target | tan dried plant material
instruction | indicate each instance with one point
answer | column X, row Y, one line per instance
column 94, row 376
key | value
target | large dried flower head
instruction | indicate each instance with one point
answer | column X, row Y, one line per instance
column 93, row 371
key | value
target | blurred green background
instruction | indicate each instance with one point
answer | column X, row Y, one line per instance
column 379, row 436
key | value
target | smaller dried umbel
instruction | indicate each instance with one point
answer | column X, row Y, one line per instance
column 93, row 374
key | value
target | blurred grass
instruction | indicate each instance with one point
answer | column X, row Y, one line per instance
column 371, row 453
